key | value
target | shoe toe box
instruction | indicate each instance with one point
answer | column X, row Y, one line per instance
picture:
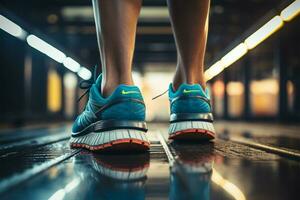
column 77, row 126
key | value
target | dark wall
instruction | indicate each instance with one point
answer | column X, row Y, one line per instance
column 12, row 101
column 39, row 83
column 22, row 99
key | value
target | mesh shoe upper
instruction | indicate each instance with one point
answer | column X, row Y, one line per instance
column 189, row 99
column 123, row 103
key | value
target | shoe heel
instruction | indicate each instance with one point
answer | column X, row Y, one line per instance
column 188, row 130
column 113, row 140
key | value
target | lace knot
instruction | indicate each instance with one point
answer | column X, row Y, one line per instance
column 87, row 84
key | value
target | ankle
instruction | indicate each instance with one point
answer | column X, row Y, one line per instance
column 108, row 85
column 178, row 80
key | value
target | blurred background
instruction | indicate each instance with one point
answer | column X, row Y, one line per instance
column 252, row 59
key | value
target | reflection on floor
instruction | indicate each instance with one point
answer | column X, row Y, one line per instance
column 38, row 164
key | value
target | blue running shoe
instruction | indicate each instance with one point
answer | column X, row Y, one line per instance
column 191, row 113
column 113, row 123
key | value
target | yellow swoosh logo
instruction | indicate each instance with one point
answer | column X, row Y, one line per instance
column 129, row 92
column 190, row 91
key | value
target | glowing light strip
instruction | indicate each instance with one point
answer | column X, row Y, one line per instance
column 71, row 64
column 254, row 39
column 12, row 28
column 291, row 11
column 214, row 70
column 84, row 73
column 264, row 32
column 233, row 55
column 44, row 47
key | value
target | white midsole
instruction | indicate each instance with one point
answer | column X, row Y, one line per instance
column 184, row 125
column 99, row 138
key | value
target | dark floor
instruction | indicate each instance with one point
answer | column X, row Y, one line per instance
column 247, row 161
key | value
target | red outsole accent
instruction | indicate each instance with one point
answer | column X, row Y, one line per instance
column 117, row 145
column 193, row 134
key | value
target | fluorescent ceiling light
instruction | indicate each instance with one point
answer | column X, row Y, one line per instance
column 214, row 70
column 75, row 13
column 264, row 32
column 45, row 48
column 235, row 54
column 154, row 13
column 85, row 13
column 84, row 73
column 42, row 46
column 71, row 64
column 291, row 11
column 12, row 28
column 253, row 40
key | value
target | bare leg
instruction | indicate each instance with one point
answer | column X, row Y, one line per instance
column 190, row 24
column 116, row 22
